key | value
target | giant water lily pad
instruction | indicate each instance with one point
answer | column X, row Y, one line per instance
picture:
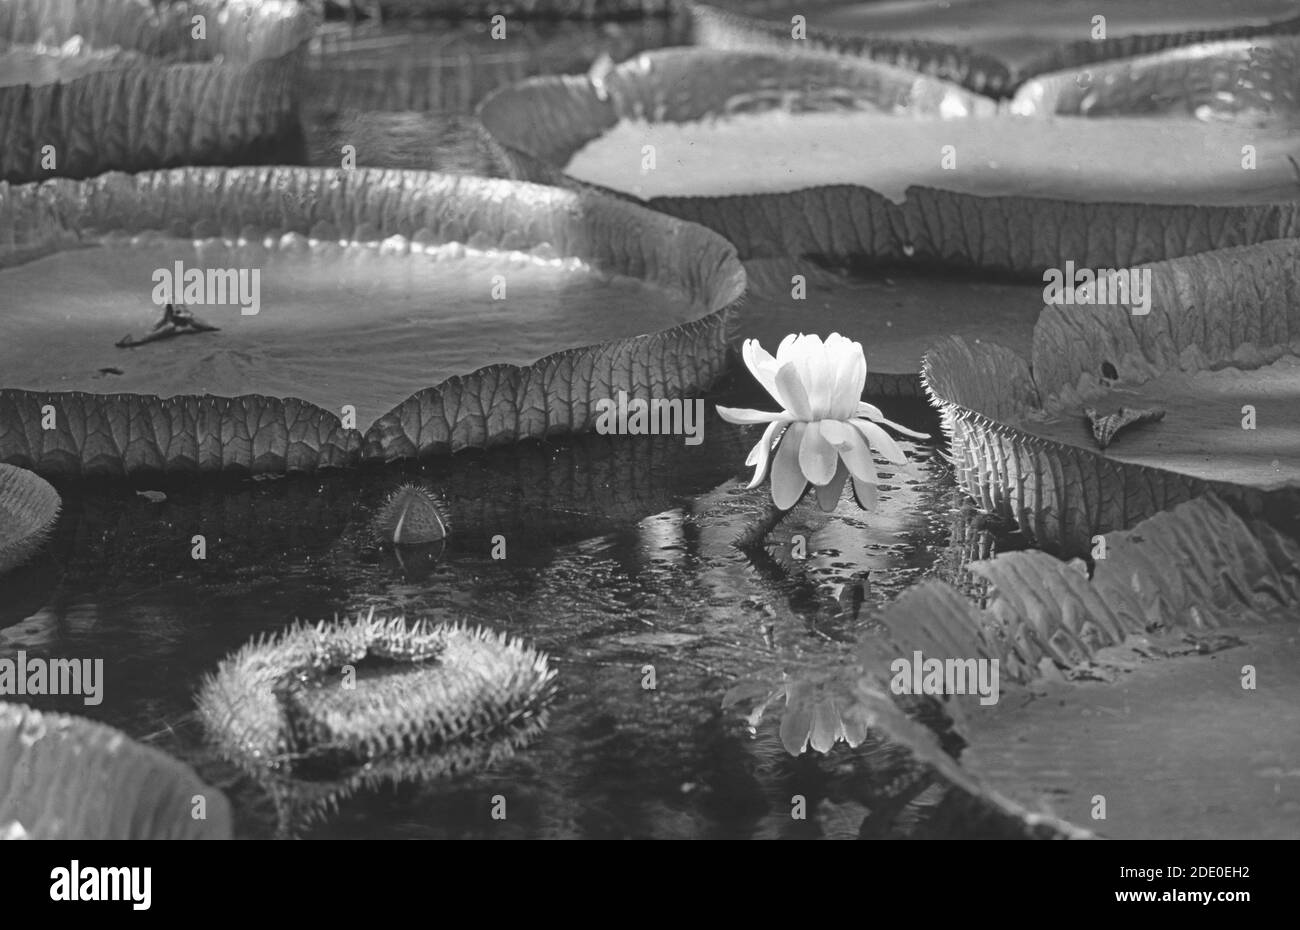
column 126, row 85
column 380, row 90
column 1142, row 660
column 1161, row 162
column 1216, row 354
column 1131, row 684
column 1250, row 81
column 72, row 779
column 521, row 9
column 416, row 304
column 1103, row 193
column 992, row 46
column 1145, row 190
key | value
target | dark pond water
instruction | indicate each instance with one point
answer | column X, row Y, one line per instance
column 618, row 556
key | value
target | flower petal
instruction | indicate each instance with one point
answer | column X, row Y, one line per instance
column 796, row 721
column 785, row 352
column 872, row 412
column 764, row 444
column 880, row 441
column 852, row 447
column 761, row 365
column 761, row 455
column 788, row 482
column 817, row 372
column 825, row 723
column 850, row 364
column 817, row 458
column 828, row 495
column 793, row 397
column 745, row 416
column 864, row 493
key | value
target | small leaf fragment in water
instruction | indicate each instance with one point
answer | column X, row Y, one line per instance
column 1105, row 427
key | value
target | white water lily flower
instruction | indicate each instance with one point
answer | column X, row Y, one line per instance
column 829, row 432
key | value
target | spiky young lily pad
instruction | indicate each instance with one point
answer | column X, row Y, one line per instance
column 411, row 516
column 428, row 701
column 28, row 508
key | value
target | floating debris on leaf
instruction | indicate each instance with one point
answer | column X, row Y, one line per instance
column 1195, row 644
column 176, row 321
column 1105, row 427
